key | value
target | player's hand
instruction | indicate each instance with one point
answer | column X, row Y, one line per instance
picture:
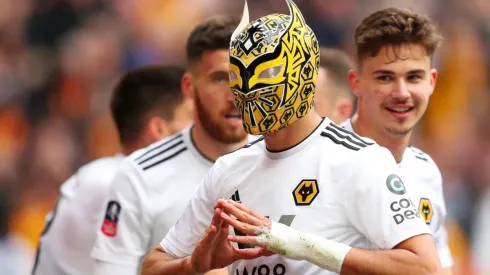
column 215, row 251
column 247, row 221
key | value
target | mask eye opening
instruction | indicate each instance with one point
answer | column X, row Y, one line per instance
column 270, row 72
column 233, row 76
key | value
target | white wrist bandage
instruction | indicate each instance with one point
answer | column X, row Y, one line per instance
column 293, row 244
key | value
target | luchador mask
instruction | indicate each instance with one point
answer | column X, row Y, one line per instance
column 274, row 63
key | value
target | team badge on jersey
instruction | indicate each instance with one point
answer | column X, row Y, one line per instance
column 109, row 226
column 395, row 185
column 425, row 208
column 305, row 192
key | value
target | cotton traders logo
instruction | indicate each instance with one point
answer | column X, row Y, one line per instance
column 395, row 185
column 404, row 209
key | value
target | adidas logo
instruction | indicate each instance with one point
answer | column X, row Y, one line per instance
column 236, row 197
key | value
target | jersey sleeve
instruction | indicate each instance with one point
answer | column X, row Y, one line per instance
column 124, row 233
column 182, row 238
column 440, row 236
column 378, row 204
column 443, row 248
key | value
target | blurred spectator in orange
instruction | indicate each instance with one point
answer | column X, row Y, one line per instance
column 50, row 160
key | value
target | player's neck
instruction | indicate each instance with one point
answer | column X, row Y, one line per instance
column 210, row 147
column 396, row 144
column 294, row 133
column 126, row 151
column 128, row 148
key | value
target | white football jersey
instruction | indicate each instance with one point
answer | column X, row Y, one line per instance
column 71, row 227
column 481, row 238
column 333, row 184
column 426, row 181
column 148, row 195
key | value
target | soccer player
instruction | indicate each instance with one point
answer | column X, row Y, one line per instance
column 325, row 200
column 147, row 105
column 333, row 95
column 394, row 48
column 154, row 185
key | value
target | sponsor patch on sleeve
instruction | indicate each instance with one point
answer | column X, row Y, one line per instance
column 109, row 226
column 395, row 185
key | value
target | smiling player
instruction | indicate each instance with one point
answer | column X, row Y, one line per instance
column 393, row 84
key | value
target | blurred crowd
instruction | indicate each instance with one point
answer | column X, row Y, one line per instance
column 59, row 60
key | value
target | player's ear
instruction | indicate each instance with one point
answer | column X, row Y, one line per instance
column 354, row 80
column 345, row 108
column 187, row 85
column 157, row 129
column 433, row 79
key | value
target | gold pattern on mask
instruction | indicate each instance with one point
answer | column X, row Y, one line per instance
column 273, row 71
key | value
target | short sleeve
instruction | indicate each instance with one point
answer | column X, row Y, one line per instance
column 182, row 238
column 124, row 233
column 378, row 204
column 443, row 248
column 440, row 236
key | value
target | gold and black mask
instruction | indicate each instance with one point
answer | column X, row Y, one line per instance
column 274, row 63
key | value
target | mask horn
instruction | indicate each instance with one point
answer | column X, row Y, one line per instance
column 243, row 22
column 295, row 14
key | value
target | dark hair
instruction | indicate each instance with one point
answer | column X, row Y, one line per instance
column 337, row 64
column 142, row 93
column 212, row 34
column 395, row 27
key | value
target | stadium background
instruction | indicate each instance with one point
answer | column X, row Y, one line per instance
column 59, row 60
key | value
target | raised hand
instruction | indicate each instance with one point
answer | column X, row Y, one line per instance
column 214, row 250
column 252, row 224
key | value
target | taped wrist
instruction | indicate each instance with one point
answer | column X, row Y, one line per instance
column 293, row 244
